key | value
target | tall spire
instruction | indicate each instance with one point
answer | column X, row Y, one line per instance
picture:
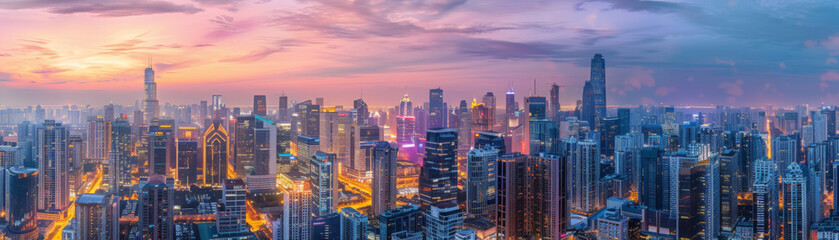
column 149, row 61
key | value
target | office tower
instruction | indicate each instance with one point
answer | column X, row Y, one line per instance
column 187, row 158
column 405, row 106
column 555, row 109
column 97, row 217
column 818, row 166
column 438, row 174
column 598, row 88
column 202, row 111
column 324, row 183
column 436, row 109
column 282, row 113
column 543, row 135
column 830, row 116
column 231, row 212
column 353, row 224
column 785, row 150
column 729, row 184
column 307, row 147
column 587, row 111
column 697, row 194
column 308, row 115
column 382, row 158
column 405, row 129
column 405, row 218
column 624, row 120
column 765, row 199
column 53, row 190
column 260, row 105
column 612, row 226
column 652, row 173
column 120, row 155
column 489, row 102
column 152, row 110
column 532, row 199
column 217, row 103
column 327, row 227
column 480, row 183
column 329, row 129
column 362, row 111
column 442, row 221
column 11, row 156
column 75, row 163
column 609, row 128
column 161, row 146
column 585, row 160
column 536, row 108
column 296, row 211
column 20, row 202
column 491, row 139
column 481, row 117
column 796, row 206
column 688, row 133
column 511, row 119
column 255, row 148
column 109, row 112
column 154, row 209
column 820, row 129
column 98, row 139
column 215, row 145
column 464, row 127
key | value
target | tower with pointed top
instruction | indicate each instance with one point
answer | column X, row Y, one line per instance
column 151, row 104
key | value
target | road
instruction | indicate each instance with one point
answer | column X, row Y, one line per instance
column 54, row 233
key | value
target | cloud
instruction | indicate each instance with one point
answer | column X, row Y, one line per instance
column 830, row 61
column 5, row 77
column 782, row 65
column 733, row 88
column 640, row 78
column 640, row 5
column 253, row 55
column 103, row 8
column 664, row 91
column 229, row 5
column 830, row 76
column 725, row 62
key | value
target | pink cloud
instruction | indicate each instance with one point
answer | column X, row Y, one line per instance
column 733, row 88
column 664, row 91
column 830, row 76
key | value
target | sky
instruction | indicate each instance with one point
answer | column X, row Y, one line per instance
column 733, row 52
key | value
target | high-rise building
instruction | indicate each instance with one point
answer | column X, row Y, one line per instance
column 308, row 116
column 255, row 146
column 155, row 208
column 323, row 178
column 98, row 138
column 585, row 160
column 785, row 150
column 354, row 224
column 152, row 109
column 297, row 217
column 327, row 227
column 598, row 88
column 531, row 197
column 405, row 218
column 97, row 217
column 766, row 199
column 489, row 103
column 215, row 145
column 260, row 105
column 438, row 174
column 555, row 108
column 511, row 108
column 230, row 219
column 53, row 190
column 624, row 120
column 382, row 158
column 161, row 150
column 436, row 109
column 362, row 111
column 587, row 111
column 652, row 176
column 697, row 194
column 609, row 128
column 202, row 111
column 187, row 158
column 796, row 206
column 20, row 202
column 480, row 183
column 729, row 161
column 491, row 139
column 442, row 221
column 282, row 113
column 830, row 116
column 119, row 169
column 405, row 129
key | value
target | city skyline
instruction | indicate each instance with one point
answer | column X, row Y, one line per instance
column 686, row 55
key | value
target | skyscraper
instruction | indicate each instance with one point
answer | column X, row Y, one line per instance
column 297, row 217
column 511, row 108
column 215, row 145
column 187, row 158
column 21, row 202
column 363, row 112
column 532, row 197
column 327, row 227
column 155, row 210
column 492, row 140
column 323, row 179
column 480, row 183
column 151, row 105
column 405, row 218
column 438, row 174
column 53, row 190
column 442, row 221
column 353, row 224
column 98, row 138
column 161, row 150
column 585, row 159
column 489, row 102
column 624, row 120
column 796, row 206
column 766, row 200
column 308, row 115
column 697, row 190
column 230, row 219
column 729, row 184
column 120, row 155
column 260, row 105
column 598, row 88
column 436, row 109
column 97, row 217
column 383, row 161
column 282, row 112
column 555, row 111
column 652, row 173
column 587, row 113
